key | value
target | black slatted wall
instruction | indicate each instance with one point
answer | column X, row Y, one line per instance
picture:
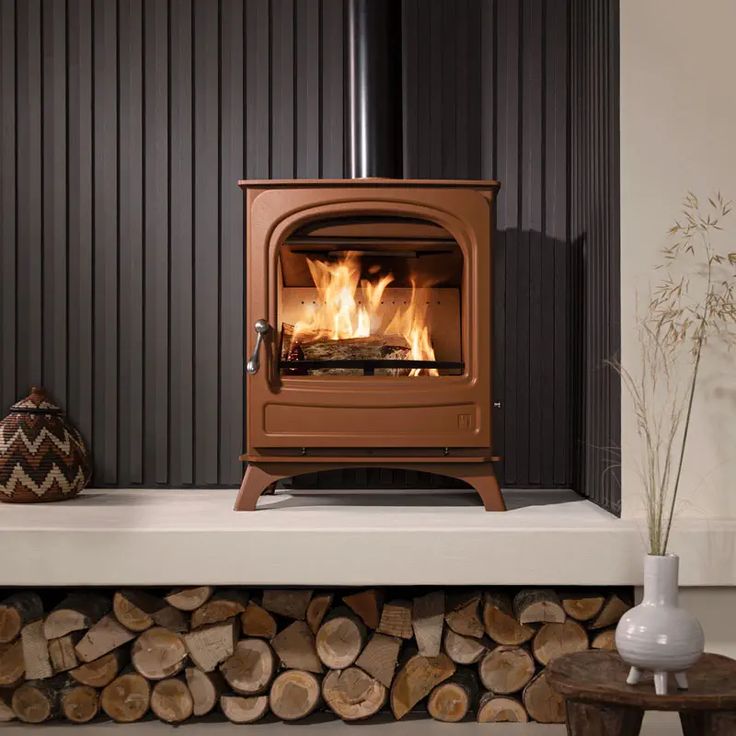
column 126, row 123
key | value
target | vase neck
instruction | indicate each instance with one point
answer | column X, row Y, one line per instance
column 661, row 579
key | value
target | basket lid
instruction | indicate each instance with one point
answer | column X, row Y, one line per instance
column 37, row 402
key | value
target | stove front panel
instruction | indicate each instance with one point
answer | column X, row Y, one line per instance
column 289, row 408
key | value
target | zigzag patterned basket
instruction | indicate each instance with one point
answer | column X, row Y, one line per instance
column 42, row 456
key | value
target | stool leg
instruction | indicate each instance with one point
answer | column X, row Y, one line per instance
column 702, row 723
column 587, row 719
column 681, row 680
column 634, row 676
column 660, row 683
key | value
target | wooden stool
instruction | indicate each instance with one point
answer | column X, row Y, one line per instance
column 600, row 703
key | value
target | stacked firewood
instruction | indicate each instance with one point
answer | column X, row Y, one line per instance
column 187, row 652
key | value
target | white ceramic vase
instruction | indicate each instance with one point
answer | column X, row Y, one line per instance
column 657, row 635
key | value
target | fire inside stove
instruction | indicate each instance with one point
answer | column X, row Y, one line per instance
column 388, row 310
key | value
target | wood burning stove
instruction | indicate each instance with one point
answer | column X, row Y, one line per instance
column 369, row 302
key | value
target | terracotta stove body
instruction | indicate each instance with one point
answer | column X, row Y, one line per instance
column 435, row 237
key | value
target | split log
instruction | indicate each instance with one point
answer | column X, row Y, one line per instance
column 257, row 621
column 463, row 649
column 77, row 612
column 379, row 658
column 37, row 701
column 340, row 639
column 296, row 648
column 36, row 652
column 251, row 668
column 612, row 610
column 554, row 640
column 316, row 610
column 12, row 664
column 294, row 694
column 158, row 653
column 582, row 607
column 100, row 672
column 171, row 700
column 506, row 669
column 367, row 604
column 427, row 620
column 542, row 703
column 453, row 699
column 541, row 605
column 501, row 709
column 462, row 614
column 352, row 694
column 241, row 709
column 606, row 639
column 396, row 620
column 127, row 698
column 80, row 703
column 107, row 634
column 189, row 599
column 6, row 706
column 134, row 609
column 171, row 618
column 289, row 603
column 62, row 654
column 222, row 606
column 500, row 623
column 205, row 687
column 213, row 644
column 416, row 679
column 16, row 611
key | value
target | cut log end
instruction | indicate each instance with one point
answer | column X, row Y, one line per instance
column 367, row 605
column 396, row 619
column 316, row 610
column 127, row 698
column 501, row 624
column 605, row 640
column 428, row 618
column 158, row 653
column 296, row 648
column 353, row 694
column 379, row 658
column 542, row 703
column 16, row 611
column 257, row 621
column 288, row 603
column 452, row 700
column 554, row 640
column 582, row 607
column 416, row 679
column 77, row 612
column 501, row 709
column 205, row 687
column 35, row 702
column 12, row 664
column 251, row 668
column 80, row 704
column 213, row 644
column 189, row 599
column 340, row 640
column 463, row 614
column 506, row 669
column 294, row 694
column 171, row 701
column 242, row 709
column 100, row 672
column 463, row 649
column 538, row 606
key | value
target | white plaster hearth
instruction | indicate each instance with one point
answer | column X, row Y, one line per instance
column 168, row 537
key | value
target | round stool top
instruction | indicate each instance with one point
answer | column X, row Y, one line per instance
column 600, row 677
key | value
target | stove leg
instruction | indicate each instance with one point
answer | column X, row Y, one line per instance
column 256, row 481
column 482, row 477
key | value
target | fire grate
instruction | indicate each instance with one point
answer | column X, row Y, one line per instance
column 369, row 367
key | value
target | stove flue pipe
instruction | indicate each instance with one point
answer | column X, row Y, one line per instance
column 375, row 130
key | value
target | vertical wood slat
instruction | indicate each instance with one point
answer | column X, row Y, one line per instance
column 181, row 299
column 331, row 66
column 207, row 242
column 8, row 197
column 257, row 84
column 283, row 120
column 308, row 117
column 156, row 240
column 29, row 203
column 130, row 242
column 232, row 357
column 105, row 123
column 54, row 197
column 80, row 208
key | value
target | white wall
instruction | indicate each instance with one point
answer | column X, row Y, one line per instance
column 678, row 132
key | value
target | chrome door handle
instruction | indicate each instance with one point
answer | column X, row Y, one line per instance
column 261, row 328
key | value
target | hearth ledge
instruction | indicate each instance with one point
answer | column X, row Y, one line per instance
column 170, row 537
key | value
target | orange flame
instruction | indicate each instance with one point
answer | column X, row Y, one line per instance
column 339, row 315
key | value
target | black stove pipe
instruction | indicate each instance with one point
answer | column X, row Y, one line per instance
column 375, row 131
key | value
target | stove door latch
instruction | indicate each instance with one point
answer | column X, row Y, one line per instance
column 261, row 328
